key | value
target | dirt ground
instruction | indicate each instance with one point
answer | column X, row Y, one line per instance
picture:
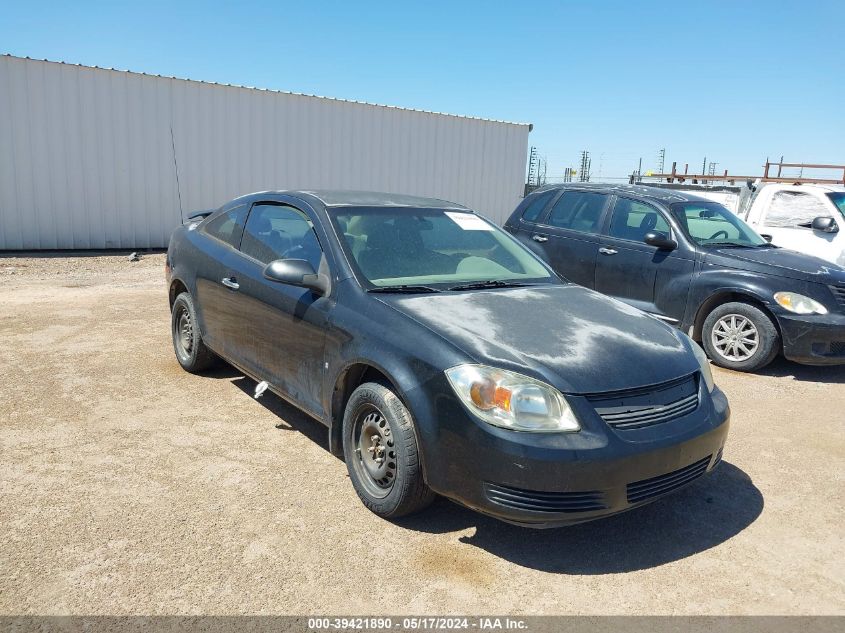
column 128, row 486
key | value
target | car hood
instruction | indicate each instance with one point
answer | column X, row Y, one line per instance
column 778, row 261
column 576, row 339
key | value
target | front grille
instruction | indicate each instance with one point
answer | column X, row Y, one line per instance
column 545, row 501
column 837, row 348
column 638, row 408
column 662, row 484
column 839, row 293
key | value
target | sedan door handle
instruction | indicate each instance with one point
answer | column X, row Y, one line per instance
column 608, row 251
column 230, row 282
column 539, row 238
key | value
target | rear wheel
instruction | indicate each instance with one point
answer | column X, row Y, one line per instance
column 740, row 336
column 381, row 452
column 191, row 352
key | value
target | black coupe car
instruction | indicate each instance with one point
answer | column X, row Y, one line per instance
column 444, row 356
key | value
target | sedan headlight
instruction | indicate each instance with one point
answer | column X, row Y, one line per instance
column 799, row 304
column 704, row 363
column 512, row 401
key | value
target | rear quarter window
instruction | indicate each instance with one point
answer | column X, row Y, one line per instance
column 536, row 206
column 228, row 226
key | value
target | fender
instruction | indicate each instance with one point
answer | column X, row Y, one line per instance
column 711, row 289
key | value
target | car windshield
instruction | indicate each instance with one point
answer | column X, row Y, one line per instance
column 393, row 247
column 838, row 198
column 711, row 224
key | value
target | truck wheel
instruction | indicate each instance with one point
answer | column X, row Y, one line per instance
column 191, row 352
column 740, row 336
column 381, row 452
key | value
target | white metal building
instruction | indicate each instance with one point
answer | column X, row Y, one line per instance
column 99, row 158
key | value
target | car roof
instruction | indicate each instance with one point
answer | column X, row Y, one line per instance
column 341, row 198
column 667, row 196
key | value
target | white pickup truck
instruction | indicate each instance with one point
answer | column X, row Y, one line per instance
column 807, row 218
column 803, row 218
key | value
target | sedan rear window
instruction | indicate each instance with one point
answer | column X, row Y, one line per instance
column 390, row 246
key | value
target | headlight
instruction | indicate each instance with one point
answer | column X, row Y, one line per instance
column 704, row 362
column 510, row 400
column 799, row 304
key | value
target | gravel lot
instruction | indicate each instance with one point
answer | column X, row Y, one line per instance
column 131, row 487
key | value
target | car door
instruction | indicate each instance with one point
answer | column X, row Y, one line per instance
column 283, row 327
column 644, row 276
column 789, row 217
column 569, row 234
column 217, row 305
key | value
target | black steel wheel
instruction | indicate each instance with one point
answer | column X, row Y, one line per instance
column 381, row 452
column 190, row 350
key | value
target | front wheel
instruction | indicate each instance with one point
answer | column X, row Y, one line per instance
column 381, row 452
column 740, row 336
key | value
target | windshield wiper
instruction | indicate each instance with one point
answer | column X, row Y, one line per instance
column 406, row 288
column 490, row 283
column 728, row 244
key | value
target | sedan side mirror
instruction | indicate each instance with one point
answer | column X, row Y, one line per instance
column 825, row 225
column 660, row 240
column 296, row 272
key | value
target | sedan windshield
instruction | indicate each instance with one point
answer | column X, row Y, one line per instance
column 409, row 248
column 711, row 224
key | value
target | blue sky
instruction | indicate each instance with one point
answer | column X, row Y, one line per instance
column 733, row 81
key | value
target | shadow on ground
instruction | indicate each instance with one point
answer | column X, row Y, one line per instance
column 291, row 418
column 781, row 367
column 707, row 513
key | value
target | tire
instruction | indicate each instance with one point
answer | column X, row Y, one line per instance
column 376, row 424
column 733, row 329
column 191, row 352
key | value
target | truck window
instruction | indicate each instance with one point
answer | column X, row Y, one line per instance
column 794, row 209
column 838, row 199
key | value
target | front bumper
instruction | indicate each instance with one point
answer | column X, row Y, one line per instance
column 550, row 480
column 813, row 339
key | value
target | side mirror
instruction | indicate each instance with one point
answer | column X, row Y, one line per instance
column 825, row 225
column 766, row 237
column 296, row 272
column 660, row 240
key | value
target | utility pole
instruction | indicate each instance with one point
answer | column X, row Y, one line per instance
column 531, row 182
column 661, row 159
column 584, row 175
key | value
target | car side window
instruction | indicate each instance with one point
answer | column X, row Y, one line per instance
column 632, row 219
column 579, row 211
column 794, row 209
column 228, row 226
column 536, row 206
column 279, row 231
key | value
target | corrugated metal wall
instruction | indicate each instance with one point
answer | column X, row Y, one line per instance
column 89, row 158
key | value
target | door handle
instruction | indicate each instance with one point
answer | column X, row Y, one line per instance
column 608, row 251
column 539, row 238
column 230, row 282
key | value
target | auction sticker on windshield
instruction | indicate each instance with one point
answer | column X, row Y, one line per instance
column 469, row 222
